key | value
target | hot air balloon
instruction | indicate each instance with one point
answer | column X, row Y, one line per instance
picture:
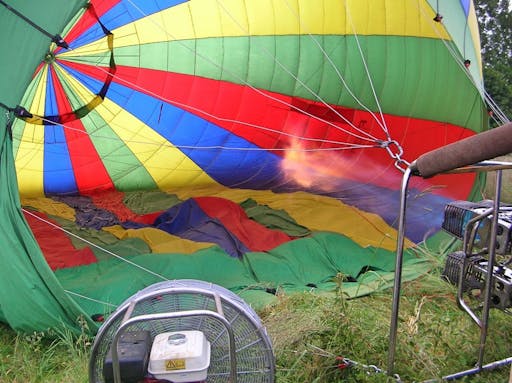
column 255, row 144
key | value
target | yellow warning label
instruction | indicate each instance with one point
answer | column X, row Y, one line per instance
column 174, row 364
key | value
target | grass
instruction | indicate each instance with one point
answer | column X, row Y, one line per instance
column 43, row 357
column 435, row 338
column 311, row 332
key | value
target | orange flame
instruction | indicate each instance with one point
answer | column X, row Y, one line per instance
column 325, row 169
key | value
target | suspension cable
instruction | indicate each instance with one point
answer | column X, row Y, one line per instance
column 241, row 80
column 383, row 121
column 94, row 245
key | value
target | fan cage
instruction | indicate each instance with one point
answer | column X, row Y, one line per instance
column 255, row 361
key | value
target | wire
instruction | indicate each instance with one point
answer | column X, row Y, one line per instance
column 383, row 121
column 90, row 299
column 241, row 80
column 316, row 95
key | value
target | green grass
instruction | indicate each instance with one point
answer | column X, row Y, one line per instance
column 435, row 338
column 43, row 357
column 310, row 332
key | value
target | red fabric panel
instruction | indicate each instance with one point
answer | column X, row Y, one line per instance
column 252, row 234
column 89, row 19
column 56, row 245
column 417, row 136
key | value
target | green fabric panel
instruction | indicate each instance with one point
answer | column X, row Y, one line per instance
column 18, row 65
column 32, row 298
column 305, row 264
column 27, row 100
column 113, row 152
column 149, row 201
column 403, row 82
column 316, row 260
column 273, row 219
column 106, row 281
column 296, row 263
column 106, row 242
column 367, row 283
column 323, row 263
column 123, row 248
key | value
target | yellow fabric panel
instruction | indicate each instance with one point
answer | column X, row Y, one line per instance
column 50, row 207
column 475, row 35
column 165, row 163
column 316, row 213
column 211, row 18
column 91, row 49
column 158, row 240
column 29, row 158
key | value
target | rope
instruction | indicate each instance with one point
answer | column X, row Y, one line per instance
column 89, row 298
column 94, row 245
column 338, row 73
column 374, row 142
column 241, row 80
column 383, row 122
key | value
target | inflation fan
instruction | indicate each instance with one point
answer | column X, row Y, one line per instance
column 182, row 331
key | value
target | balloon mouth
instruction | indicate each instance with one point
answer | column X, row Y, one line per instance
column 49, row 58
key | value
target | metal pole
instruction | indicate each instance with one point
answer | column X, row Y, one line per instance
column 490, row 271
column 398, row 270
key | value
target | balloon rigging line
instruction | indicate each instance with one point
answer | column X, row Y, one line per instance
column 215, row 147
column 169, row 101
column 89, row 298
column 94, row 245
column 260, row 127
column 450, row 47
column 120, row 80
column 384, row 126
column 138, row 87
column 497, row 113
column 135, row 86
column 315, row 94
column 341, row 77
column 245, row 82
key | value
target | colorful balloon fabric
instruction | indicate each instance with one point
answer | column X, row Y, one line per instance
column 227, row 129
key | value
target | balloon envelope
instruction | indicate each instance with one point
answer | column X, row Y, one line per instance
column 164, row 126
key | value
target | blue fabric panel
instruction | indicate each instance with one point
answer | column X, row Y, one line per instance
column 58, row 173
column 123, row 13
column 465, row 5
column 188, row 220
column 190, row 132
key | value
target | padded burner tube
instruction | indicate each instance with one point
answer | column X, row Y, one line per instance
column 480, row 147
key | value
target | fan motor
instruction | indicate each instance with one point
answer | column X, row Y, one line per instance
column 182, row 331
column 460, row 218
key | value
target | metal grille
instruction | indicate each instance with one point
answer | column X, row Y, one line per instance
column 253, row 349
